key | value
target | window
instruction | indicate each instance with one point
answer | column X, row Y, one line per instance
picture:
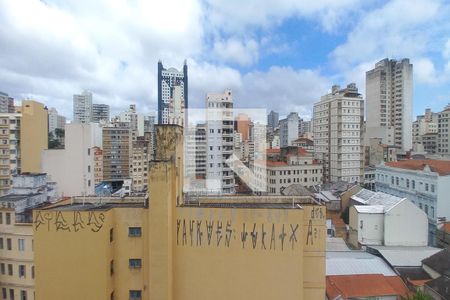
column 413, row 183
column 10, row 269
column 21, row 271
column 32, row 272
column 111, row 268
column 361, row 224
column 135, row 263
column 407, row 183
column 134, row 231
column 426, row 209
column 420, row 205
column 8, row 218
column 135, row 295
column 11, row 294
column 112, row 296
column 2, row 268
column 432, row 211
column 392, row 179
column 21, row 244
column 432, row 188
column 1, row 243
column 426, row 187
column 23, row 295
column 111, row 235
column 8, row 244
column 1, row 218
column 4, row 293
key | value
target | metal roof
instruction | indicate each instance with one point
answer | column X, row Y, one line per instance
column 336, row 244
column 404, row 256
column 368, row 197
column 370, row 209
column 355, row 262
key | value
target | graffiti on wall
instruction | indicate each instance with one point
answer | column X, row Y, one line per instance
column 215, row 233
column 72, row 222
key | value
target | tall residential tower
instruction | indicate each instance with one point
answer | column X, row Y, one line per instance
column 389, row 93
column 338, row 131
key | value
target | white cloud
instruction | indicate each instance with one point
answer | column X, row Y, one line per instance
column 236, row 51
column 425, row 72
column 446, row 52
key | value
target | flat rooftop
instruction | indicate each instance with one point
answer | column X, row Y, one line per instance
column 241, row 201
column 92, row 206
column 16, row 197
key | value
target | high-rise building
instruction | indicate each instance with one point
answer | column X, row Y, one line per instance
column 272, row 120
column 170, row 241
column 172, row 94
column 135, row 120
column 219, row 137
column 289, row 129
column 338, row 132
column 33, row 135
column 304, row 128
column 242, row 125
column 98, row 164
column 82, row 107
column 6, row 103
column 10, row 158
column 443, row 139
column 140, row 158
column 100, row 112
column 55, row 120
column 117, row 142
column 389, row 93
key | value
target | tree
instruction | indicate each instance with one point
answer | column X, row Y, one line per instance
column 419, row 295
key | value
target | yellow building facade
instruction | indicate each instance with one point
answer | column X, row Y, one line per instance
column 16, row 257
column 174, row 246
column 33, row 135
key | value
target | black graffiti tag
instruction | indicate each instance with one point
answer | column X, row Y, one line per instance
column 254, row 235
column 178, row 230
column 78, row 222
column 263, row 235
column 191, row 231
column 219, row 233
column 243, row 235
column 228, row 233
column 96, row 222
column 293, row 236
column 309, row 234
column 199, row 233
column 282, row 236
column 209, row 230
column 60, row 222
column 272, row 237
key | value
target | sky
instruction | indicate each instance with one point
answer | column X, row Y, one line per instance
column 279, row 55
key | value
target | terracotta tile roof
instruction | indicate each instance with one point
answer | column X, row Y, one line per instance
column 446, row 227
column 272, row 151
column 442, row 167
column 365, row 285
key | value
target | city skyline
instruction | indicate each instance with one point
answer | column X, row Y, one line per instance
column 282, row 59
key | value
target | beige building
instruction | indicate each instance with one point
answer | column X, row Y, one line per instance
column 140, row 159
column 78, row 157
column 172, row 246
column 33, row 135
column 338, row 133
column 378, row 153
column 289, row 168
column 98, row 165
column 9, row 149
column 117, row 142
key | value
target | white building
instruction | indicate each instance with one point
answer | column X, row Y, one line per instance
column 389, row 94
column 288, row 129
column 424, row 182
column 338, row 131
column 72, row 168
column 82, row 107
column 136, row 121
column 55, row 120
column 6, row 103
column 219, row 139
column 381, row 219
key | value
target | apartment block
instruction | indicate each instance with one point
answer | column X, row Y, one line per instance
column 82, row 107
column 338, row 132
column 117, row 143
column 288, row 129
column 6, row 103
column 98, row 165
column 272, row 120
column 389, row 93
column 219, row 137
column 141, row 149
column 100, row 113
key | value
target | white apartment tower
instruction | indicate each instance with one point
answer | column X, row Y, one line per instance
column 289, row 129
column 82, row 107
column 389, row 93
column 219, row 140
column 338, row 131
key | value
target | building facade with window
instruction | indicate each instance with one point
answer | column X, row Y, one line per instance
column 174, row 247
column 424, row 182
